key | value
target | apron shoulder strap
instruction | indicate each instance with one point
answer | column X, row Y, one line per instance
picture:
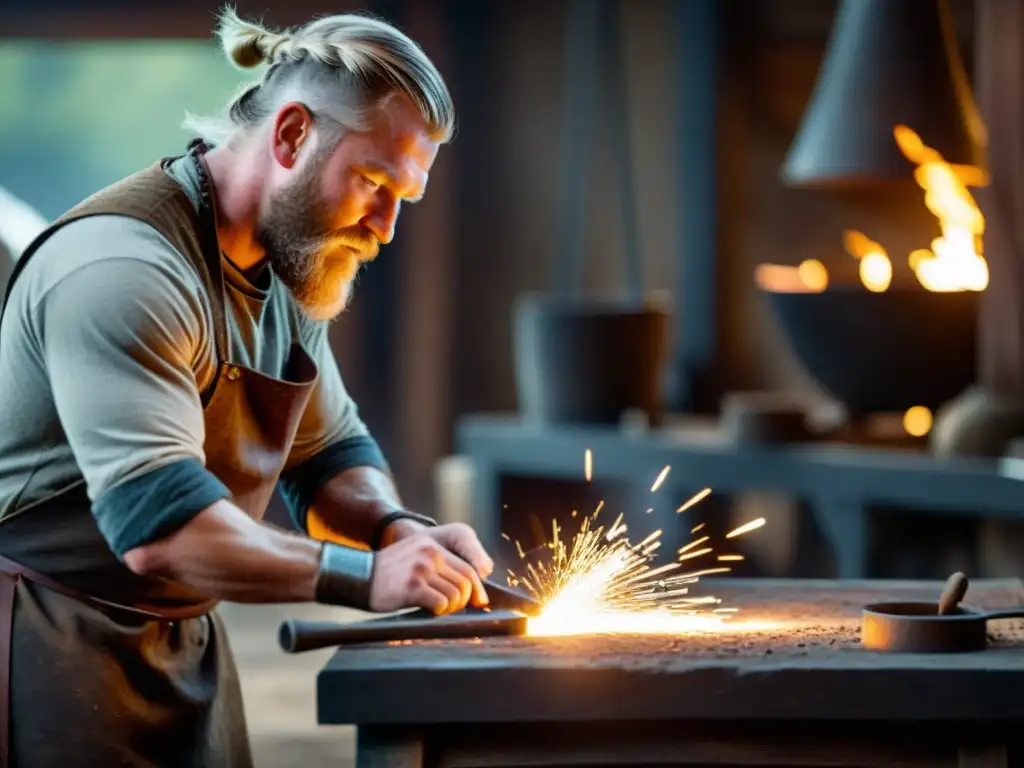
column 155, row 198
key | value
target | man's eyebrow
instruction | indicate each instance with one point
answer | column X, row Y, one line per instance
column 383, row 170
column 386, row 170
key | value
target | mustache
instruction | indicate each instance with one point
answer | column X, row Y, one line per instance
column 357, row 238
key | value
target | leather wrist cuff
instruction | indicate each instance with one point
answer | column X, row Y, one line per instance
column 345, row 576
column 392, row 517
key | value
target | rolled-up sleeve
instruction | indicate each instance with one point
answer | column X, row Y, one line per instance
column 119, row 336
column 332, row 436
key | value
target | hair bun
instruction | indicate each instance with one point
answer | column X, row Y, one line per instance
column 246, row 44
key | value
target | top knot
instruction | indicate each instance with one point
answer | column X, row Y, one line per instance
column 247, row 44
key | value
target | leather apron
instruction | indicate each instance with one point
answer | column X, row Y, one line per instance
column 88, row 681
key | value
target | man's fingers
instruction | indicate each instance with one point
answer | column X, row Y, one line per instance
column 466, row 575
column 426, row 588
column 450, row 567
column 452, row 592
column 485, row 566
column 444, row 567
column 457, row 595
column 424, row 595
column 463, row 541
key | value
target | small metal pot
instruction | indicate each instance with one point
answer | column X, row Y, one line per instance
column 917, row 627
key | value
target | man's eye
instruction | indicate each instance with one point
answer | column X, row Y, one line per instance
column 370, row 183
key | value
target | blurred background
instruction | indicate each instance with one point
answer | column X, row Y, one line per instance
column 774, row 244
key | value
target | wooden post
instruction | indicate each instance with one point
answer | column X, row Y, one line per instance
column 999, row 84
column 988, row 417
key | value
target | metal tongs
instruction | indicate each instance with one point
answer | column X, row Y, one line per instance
column 506, row 615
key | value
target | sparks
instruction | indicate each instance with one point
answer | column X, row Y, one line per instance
column 598, row 582
column 753, row 525
column 696, row 553
column 661, row 479
column 694, row 543
column 588, row 465
column 695, row 499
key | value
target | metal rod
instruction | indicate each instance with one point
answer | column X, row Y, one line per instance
column 298, row 635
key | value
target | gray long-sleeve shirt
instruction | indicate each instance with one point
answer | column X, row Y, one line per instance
column 105, row 348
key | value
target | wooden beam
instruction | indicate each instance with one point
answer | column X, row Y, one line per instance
column 81, row 25
column 120, row 20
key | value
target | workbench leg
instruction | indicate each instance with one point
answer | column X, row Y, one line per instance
column 388, row 748
column 844, row 523
column 989, row 756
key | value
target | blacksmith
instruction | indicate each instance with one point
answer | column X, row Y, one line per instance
column 164, row 365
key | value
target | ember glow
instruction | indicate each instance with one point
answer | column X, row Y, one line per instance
column 598, row 582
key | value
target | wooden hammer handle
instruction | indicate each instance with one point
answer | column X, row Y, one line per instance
column 953, row 593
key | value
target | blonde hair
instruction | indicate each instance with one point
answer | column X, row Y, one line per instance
column 339, row 66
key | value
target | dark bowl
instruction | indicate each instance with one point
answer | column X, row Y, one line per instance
column 882, row 352
column 588, row 361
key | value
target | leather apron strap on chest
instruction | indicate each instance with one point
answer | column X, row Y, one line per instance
column 11, row 573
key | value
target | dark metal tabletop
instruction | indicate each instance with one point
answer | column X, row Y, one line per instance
column 807, row 665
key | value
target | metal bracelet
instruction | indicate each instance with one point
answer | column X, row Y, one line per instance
column 345, row 576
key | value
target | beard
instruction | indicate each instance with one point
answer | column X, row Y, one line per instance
column 316, row 261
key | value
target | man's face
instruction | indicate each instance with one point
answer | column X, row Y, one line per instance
column 337, row 205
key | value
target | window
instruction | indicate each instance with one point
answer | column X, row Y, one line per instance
column 76, row 117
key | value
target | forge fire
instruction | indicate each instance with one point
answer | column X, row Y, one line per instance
column 598, row 582
column 953, row 263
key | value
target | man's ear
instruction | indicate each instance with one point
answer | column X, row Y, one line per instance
column 293, row 127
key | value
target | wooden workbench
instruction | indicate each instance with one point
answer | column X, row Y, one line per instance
column 799, row 694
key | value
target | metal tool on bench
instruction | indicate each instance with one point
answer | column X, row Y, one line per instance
column 506, row 615
column 504, row 598
column 930, row 627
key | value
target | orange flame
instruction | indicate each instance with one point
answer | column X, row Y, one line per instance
column 953, row 263
column 875, row 267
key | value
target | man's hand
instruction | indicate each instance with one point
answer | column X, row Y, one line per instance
column 438, row 568
column 455, row 537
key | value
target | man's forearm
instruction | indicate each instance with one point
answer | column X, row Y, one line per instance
column 349, row 505
column 225, row 554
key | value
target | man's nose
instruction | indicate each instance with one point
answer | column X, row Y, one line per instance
column 382, row 223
